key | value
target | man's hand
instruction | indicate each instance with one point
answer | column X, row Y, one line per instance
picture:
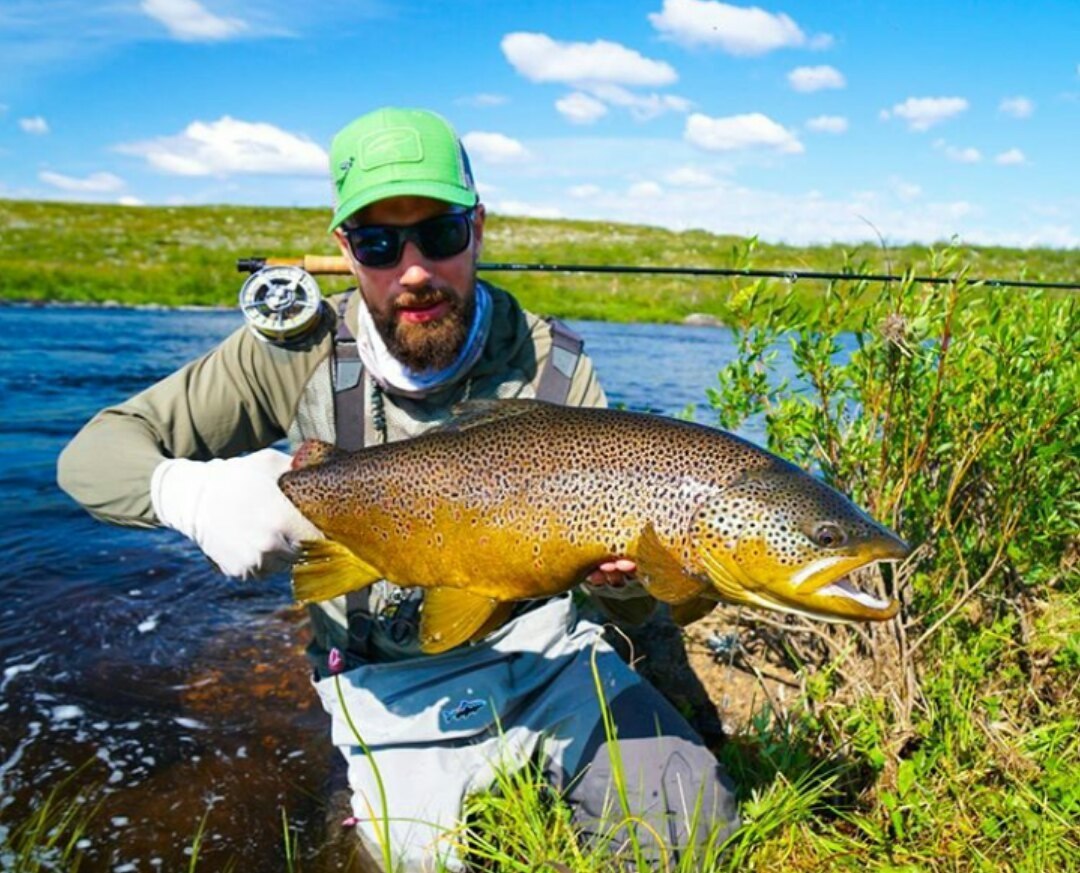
column 613, row 574
column 233, row 510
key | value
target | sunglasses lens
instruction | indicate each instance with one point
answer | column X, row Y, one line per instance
column 376, row 246
column 445, row 236
column 438, row 238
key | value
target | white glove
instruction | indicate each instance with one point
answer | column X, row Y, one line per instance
column 233, row 510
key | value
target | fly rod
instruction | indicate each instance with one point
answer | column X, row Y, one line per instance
column 335, row 265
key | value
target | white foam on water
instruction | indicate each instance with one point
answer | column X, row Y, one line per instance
column 13, row 670
column 149, row 624
column 67, row 712
column 190, row 723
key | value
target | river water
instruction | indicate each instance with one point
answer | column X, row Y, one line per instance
column 128, row 667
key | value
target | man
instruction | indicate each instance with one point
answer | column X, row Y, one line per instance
column 384, row 364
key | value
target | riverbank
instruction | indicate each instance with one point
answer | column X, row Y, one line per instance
column 183, row 256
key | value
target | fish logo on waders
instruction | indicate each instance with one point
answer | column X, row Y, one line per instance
column 462, row 710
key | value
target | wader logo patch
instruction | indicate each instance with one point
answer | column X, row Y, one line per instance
column 462, row 710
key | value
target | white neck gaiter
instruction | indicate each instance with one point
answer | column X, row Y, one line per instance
column 395, row 378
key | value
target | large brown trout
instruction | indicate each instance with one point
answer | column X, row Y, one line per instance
column 519, row 499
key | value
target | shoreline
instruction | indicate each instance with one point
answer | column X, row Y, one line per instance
column 693, row 319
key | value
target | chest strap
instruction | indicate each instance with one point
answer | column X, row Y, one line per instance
column 348, row 385
column 559, row 369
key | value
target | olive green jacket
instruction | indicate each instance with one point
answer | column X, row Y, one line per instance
column 247, row 394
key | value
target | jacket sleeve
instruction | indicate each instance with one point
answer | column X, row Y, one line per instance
column 237, row 398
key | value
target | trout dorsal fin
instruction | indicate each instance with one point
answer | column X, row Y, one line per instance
column 328, row 569
column 451, row 616
column 472, row 413
column 661, row 574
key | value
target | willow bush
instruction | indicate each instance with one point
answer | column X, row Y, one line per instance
column 952, row 413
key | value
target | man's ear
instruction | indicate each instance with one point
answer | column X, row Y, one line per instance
column 343, row 244
column 478, row 229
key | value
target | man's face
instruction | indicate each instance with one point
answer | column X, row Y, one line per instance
column 422, row 308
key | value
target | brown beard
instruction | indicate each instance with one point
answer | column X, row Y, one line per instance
column 428, row 346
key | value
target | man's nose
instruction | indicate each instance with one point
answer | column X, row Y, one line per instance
column 417, row 267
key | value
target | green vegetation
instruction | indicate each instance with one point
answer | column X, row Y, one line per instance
column 187, row 255
column 948, row 739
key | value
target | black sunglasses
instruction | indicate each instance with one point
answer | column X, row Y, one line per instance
column 438, row 238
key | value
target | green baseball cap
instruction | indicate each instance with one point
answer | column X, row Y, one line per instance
column 398, row 152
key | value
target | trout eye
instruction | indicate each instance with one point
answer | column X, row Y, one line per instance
column 828, row 536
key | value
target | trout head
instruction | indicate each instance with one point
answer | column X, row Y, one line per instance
column 782, row 540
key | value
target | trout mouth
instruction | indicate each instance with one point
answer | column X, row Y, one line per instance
column 822, row 590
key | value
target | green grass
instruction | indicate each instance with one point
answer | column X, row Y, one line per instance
column 187, row 255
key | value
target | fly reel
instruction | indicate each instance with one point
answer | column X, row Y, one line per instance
column 280, row 303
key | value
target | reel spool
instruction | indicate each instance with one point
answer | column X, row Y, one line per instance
column 280, row 303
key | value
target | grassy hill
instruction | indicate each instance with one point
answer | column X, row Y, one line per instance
column 186, row 255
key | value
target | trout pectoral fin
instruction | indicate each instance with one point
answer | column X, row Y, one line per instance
column 693, row 610
column 451, row 616
column 328, row 569
column 727, row 586
column 661, row 574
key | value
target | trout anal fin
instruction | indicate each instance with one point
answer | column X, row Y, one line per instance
column 452, row 616
column 328, row 569
column 662, row 575
column 496, row 620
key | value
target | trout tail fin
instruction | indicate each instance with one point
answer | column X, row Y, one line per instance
column 328, row 569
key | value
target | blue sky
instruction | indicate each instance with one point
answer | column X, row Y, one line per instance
column 796, row 121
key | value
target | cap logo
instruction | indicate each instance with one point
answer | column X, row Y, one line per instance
column 394, row 146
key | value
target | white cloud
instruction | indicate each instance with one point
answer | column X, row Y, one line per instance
column 128, row 200
column 828, row 124
column 495, row 148
column 922, row 113
column 808, row 79
column 645, row 191
column 580, row 108
column 967, row 155
column 689, row 177
column 229, row 145
column 482, row 101
column 584, row 191
column 642, row 107
column 737, row 30
column 737, row 132
column 539, row 58
column 1012, row 157
column 1017, row 107
column 190, row 21
column 526, row 209
column 95, row 183
column 905, row 191
column 36, row 125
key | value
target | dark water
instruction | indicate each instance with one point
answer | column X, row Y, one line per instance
column 123, row 653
